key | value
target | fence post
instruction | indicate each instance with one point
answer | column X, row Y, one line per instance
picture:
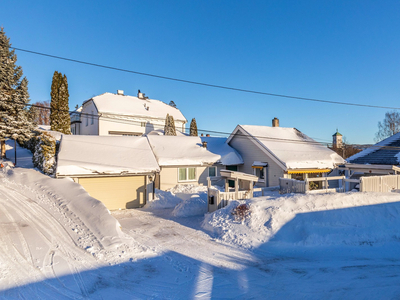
column 326, row 184
column 307, row 187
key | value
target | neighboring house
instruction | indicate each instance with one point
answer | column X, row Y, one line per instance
column 76, row 122
column 190, row 160
column 381, row 158
column 119, row 114
column 117, row 170
column 274, row 152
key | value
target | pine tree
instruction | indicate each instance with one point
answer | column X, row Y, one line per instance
column 166, row 126
column 14, row 97
column 193, row 128
column 59, row 115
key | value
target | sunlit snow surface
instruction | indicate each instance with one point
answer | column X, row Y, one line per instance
column 56, row 242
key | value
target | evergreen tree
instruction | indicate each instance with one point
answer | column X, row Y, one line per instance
column 59, row 113
column 172, row 126
column 166, row 126
column 193, row 128
column 14, row 97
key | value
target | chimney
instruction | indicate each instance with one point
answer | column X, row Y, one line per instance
column 202, row 135
column 120, row 92
column 204, row 144
column 140, row 95
column 275, row 122
column 207, row 135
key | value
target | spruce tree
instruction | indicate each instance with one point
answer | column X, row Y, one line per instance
column 166, row 126
column 14, row 97
column 193, row 128
column 59, row 107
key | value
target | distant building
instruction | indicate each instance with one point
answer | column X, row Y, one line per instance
column 337, row 140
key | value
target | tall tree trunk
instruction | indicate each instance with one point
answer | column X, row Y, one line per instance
column 3, row 148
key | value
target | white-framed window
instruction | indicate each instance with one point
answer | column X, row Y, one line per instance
column 92, row 118
column 186, row 174
column 212, row 171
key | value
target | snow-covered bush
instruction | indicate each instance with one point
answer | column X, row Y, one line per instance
column 44, row 153
column 241, row 212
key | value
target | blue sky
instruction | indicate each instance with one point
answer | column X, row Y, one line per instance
column 333, row 50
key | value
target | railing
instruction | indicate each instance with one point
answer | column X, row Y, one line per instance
column 287, row 185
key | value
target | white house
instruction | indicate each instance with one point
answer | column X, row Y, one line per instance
column 119, row 114
column 274, row 152
column 190, row 160
column 117, row 170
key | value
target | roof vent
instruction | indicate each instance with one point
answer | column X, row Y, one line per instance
column 275, row 122
column 204, row 143
column 120, row 92
column 141, row 95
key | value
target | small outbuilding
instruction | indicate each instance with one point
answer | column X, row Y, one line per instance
column 117, row 170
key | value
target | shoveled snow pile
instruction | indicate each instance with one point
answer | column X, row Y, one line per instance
column 183, row 195
column 163, row 199
column 311, row 220
column 195, row 206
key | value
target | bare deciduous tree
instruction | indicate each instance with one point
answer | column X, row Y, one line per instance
column 43, row 114
column 389, row 126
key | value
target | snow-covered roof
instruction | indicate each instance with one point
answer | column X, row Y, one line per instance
column 189, row 150
column 82, row 155
column 134, row 106
column 46, row 128
column 290, row 147
column 385, row 152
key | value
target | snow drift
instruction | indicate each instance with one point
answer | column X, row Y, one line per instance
column 311, row 220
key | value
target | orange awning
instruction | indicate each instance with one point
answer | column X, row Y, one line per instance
column 302, row 171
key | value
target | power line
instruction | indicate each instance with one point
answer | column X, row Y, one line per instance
column 202, row 83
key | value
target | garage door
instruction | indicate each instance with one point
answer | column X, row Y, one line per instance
column 117, row 192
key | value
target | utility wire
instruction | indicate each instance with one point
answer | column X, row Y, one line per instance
column 202, row 83
column 127, row 121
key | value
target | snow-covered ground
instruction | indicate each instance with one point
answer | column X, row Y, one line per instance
column 56, row 242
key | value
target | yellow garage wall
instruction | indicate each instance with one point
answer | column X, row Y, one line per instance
column 116, row 192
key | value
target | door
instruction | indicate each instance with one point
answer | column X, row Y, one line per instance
column 117, row 192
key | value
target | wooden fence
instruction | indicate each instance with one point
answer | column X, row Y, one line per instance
column 287, row 185
column 380, row 184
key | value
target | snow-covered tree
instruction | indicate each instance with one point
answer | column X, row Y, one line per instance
column 169, row 128
column 14, row 97
column 59, row 114
column 44, row 154
column 193, row 128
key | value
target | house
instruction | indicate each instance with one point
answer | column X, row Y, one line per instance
column 274, row 152
column 382, row 158
column 117, row 170
column 191, row 159
column 119, row 114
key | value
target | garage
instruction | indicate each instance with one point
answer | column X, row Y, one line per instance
column 116, row 192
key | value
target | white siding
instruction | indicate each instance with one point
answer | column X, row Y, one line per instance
column 86, row 127
column 251, row 153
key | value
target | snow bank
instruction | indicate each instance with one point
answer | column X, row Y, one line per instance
column 195, row 206
column 311, row 220
column 163, row 199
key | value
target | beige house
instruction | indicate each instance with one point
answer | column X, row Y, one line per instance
column 119, row 114
column 274, row 152
column 190, row 160
column 117, row 170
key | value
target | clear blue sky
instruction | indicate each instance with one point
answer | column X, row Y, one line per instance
column 334, row 50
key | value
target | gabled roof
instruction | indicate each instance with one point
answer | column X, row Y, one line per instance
column 84, row 155
column 134, row 106
column 386, row 152
column 189, row 151
column 289, row 147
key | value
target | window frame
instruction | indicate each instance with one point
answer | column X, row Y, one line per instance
column 212, row 167
column 187, row 174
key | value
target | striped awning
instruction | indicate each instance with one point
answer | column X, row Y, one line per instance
column 302, row 171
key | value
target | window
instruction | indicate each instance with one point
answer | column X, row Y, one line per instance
column 92, row 118
column 187, row 174
column 143, row 124
column 212, row 171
